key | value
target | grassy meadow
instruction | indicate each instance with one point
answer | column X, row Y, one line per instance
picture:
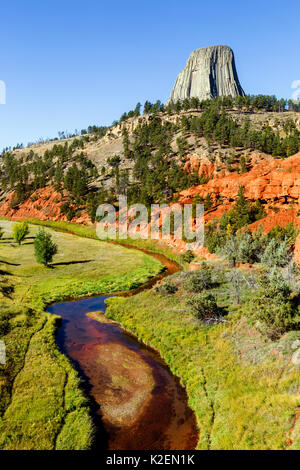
column 90, row 232
column 243, row 387
column 82, row 267
column 41, row 402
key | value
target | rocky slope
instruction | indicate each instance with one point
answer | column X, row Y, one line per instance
column 271, row 180
column 276, row 182
column 209, row 72
column 43, row 204
column 199, row 153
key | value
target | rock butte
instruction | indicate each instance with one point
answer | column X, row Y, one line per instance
column 209, row 72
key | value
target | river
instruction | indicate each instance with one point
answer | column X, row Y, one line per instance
column 136, row 402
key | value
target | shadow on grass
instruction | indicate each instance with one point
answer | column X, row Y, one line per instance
column 10, row 264
column 67, row 263
column 5, row 273
column 11, row 239
column 6, row 290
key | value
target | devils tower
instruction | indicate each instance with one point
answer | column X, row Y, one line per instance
column 209, row 72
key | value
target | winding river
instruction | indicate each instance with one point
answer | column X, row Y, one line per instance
column 136, row 402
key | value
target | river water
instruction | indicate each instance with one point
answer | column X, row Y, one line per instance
column 135, row 400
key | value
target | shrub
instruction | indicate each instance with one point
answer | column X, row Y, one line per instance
column 166, row 287
column 44, row 247
column 204, row 306
column 276, row 253
column 70, row 214
column 14, row 203
column 65, row 207
column 280, row 234
column 188, row 256
column 244, row 247
column 20, row 231
column 274, row 305
column 231, row 250
column 214, row 238
column 199, row 280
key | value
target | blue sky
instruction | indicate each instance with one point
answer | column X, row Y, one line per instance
column 68, row 64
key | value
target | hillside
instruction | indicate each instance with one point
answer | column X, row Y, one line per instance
column 191, row 152
column 227, row 325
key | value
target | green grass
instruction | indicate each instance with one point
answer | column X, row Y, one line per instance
column 45, row 393
column 41, row 403
column 82, row 267
column 243, row 387
column 90, row 232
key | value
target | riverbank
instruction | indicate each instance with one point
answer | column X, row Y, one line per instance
column 41, row 402
column 140, row 403
column 242, row 386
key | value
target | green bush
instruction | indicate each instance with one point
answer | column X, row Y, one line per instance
column 204, row 306
column 44, row 247
column 244, row 246
column 20, row 231
column 276, row 253
column 199, row 280
column 188, row 256
column 274, row 305
column 166, row 287
column 65, row 207
column 280, row 234
column 71, row 214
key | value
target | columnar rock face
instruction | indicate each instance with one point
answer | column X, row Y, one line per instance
column 209, row 72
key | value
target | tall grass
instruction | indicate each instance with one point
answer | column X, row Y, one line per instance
column 241, row 386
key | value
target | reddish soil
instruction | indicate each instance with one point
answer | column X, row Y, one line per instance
column 43, row 204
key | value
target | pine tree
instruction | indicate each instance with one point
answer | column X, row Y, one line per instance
column 44, row 247
column 126, row 143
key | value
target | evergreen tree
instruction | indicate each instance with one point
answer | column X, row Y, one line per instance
column 137, row 110
column 126, row 143
column 44, row 247
column 276, row 254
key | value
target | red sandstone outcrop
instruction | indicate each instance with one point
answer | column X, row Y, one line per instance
column 275, row 182
column 43, row 204
column 270, row 180
column 200, row 165
column 284, row 216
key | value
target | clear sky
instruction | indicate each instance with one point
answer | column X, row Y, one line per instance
column 68, row 64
